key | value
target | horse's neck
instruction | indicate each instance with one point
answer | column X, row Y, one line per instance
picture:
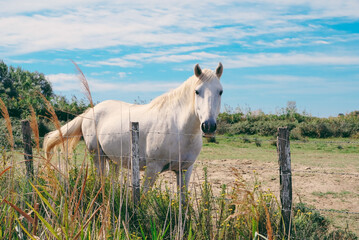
column 184, row 115
column 178, row 107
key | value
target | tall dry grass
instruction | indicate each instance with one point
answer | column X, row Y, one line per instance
column 84, row 83
column 6, row 116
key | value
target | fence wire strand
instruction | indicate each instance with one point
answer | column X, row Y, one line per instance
column 241, row 138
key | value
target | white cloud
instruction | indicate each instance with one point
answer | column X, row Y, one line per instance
column 233, row 61
column 70, row 82
column 112, row 62
column 276, row 59
column 62, row 77
column 149, row 56
column 101, row 86
column 64, row 82
column 132, row 60
column 185, row 57
column 296, row 85
column 21, row 6
column 122, row 74
column 67, row 25
column 304, row 41
column 100, row 73
column 325, row 7
column 291, row 42
column 286, row 79
column 21, row 61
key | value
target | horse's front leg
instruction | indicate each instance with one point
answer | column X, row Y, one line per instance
column 183, row 179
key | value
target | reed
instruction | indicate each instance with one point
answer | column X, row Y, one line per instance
column 6, row 116
column 84, row 83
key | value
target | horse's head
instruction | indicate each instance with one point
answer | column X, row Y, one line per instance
column 208, row 93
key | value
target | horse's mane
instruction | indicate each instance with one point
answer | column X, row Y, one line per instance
column 184, row 93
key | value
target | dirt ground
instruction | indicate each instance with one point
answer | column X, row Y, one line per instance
column 327, row 181
column 323, row 188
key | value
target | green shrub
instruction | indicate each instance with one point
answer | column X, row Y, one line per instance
column 302, row 126
column 296, row 134
column 310, row 224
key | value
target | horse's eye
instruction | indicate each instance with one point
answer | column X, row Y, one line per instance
column 197, row 93
column 220, row 92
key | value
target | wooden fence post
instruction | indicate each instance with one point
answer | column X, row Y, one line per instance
column 285, row 176
column 135, row 157
column 26, row 136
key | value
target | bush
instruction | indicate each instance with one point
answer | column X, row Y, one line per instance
column 296, row 134
column 16, row 132
column 310, row 224
column 301, row 126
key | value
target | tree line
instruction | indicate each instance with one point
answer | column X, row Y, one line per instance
column 301, row 125
column 20, row 89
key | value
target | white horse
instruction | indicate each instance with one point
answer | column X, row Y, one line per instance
column 170, row 128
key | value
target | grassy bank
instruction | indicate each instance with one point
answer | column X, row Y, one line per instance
column 78, row 205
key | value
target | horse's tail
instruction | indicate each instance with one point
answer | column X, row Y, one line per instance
column 71, row 135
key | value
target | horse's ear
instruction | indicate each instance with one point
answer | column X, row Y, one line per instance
column 219, row 70
column 197, row 70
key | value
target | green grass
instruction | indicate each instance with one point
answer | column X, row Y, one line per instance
column 312, row 152
column 341, row 194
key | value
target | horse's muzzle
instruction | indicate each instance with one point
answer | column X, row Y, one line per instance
column 209, row 127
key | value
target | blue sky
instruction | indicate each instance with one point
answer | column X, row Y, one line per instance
column 273, row 51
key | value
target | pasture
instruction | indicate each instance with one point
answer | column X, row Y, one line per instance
column 325, row 171
column 325, row 175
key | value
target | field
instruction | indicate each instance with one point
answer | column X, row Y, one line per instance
column 325, row 176
column 325, row 171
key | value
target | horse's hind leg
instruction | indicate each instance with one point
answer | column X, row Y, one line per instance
column 100, row 161
column 183, row 178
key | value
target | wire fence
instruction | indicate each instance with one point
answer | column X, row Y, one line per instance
column 5, row 147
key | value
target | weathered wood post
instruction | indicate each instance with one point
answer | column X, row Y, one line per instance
column 135, row 157
column 26, row 136
column 285, row 176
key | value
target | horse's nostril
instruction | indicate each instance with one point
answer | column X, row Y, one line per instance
column 203, row 126
column 209, row 126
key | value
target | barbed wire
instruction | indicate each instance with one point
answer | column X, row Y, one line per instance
column 327, row 173
column 327, row 142
column 175, row 160
column 242, row 138
column 334, row 211
column 294, row 171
